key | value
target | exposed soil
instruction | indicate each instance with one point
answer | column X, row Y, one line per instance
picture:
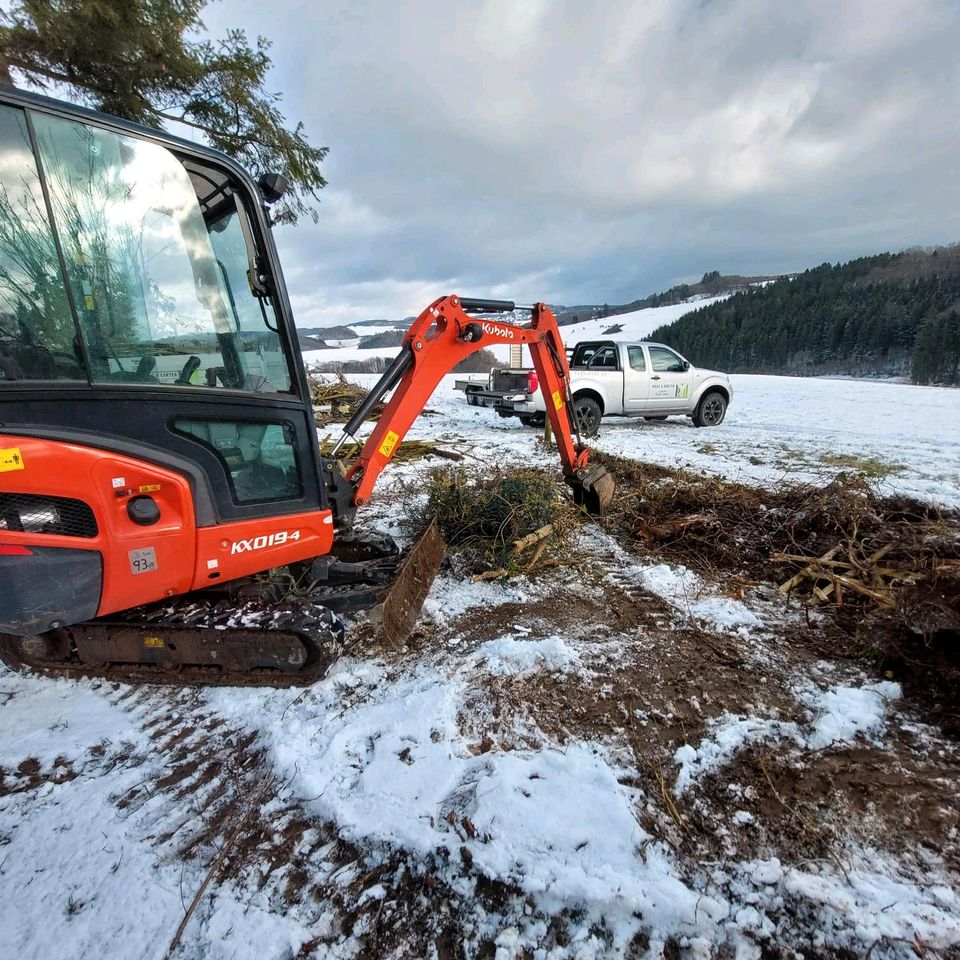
column 656, row 682
column 727, row 530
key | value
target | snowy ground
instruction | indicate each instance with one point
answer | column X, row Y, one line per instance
column 622, row 759
column 905, row 437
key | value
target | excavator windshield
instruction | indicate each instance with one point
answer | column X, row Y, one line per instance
column 134, row 267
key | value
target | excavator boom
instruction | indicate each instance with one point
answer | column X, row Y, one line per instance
column 443, row 335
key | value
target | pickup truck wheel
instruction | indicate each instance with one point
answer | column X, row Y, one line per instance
column 654, row 418
column 711, row 410
column 471, row 399
column 587, row 412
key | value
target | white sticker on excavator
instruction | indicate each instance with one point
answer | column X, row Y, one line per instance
column 143, row 560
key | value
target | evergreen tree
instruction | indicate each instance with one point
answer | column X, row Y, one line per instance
column 878, row 314
column 141, row 60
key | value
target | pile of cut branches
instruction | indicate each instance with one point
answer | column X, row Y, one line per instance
column 334, row 401
column 886, row 568
column 506, row 522
column 839, row 543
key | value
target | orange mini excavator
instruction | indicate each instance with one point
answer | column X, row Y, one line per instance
column 166, row 514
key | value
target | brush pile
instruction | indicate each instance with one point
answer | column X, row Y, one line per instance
column 334, row 401
column 505, row 522
column 407, row 452
column 835, row 544
column 887, row 569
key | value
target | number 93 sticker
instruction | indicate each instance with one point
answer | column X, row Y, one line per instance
column 143, row 560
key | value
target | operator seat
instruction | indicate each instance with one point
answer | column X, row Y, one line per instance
column 22, row 355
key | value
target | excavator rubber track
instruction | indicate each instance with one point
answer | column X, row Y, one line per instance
column 196, row 643
column 281, row 629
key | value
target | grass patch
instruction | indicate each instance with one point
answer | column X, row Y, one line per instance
column 870, row 467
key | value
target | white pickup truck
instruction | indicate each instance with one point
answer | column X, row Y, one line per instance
column 620, row 378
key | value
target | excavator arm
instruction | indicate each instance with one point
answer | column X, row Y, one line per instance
column 443, row 335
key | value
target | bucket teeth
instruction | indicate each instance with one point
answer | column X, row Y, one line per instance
column 594, row 489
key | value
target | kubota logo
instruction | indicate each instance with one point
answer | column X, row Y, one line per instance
column 267, row 540
column 496, row 329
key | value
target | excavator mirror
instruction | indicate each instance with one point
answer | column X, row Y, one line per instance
column 272, row 186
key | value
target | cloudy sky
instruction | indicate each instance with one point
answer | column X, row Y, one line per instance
column 580, row 152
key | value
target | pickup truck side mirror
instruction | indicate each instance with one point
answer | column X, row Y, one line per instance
column 685, row 366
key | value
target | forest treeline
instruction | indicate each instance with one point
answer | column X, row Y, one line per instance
column 889, row 314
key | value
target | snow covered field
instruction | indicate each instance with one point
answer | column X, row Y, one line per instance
column 623, row 759
column 905, row 437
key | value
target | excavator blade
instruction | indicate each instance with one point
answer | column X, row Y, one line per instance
column 398, row 612
column 593, row 489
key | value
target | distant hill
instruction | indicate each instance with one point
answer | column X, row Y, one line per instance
column 380, row 323
column 309, row 343
column 330, row 333
column 710, row 285
column 389, row 338
column 889, row 314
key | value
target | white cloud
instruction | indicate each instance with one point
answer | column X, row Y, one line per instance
column 604, row 149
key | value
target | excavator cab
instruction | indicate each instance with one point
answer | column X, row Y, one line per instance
column 141, row 301
column 150, row 374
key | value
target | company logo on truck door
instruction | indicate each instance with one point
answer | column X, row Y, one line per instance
column 497, row 330
column 267, row 540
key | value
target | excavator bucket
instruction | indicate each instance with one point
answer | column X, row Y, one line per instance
column 593, row 489
column 397, row 613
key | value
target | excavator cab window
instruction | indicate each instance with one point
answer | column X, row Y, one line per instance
column 161, row 266
column 37, row 332
column 260, row 457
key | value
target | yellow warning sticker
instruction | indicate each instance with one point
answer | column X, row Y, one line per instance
column 10, row 459
column 155, row 642
column 557, row 400
column 149, row 487
column 389, row 442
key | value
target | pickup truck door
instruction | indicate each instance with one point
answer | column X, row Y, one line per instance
column 602, row 367
column 670, row 380
column 636, row 380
